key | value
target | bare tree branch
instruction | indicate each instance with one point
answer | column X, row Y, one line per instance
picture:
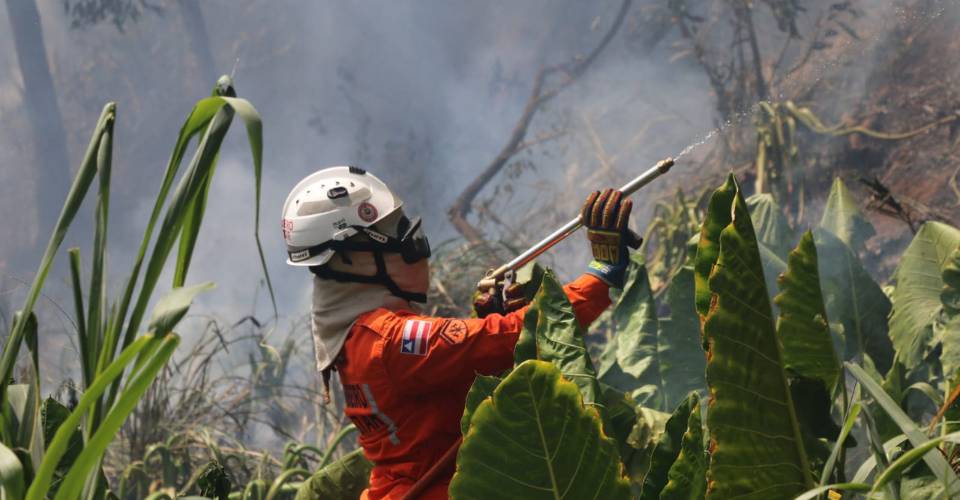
column 539, row 95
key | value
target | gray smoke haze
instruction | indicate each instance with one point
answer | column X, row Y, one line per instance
column 422, row 93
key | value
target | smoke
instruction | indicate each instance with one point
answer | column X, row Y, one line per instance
column 422, row 93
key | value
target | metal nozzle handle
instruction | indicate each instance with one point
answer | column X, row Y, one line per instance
column 492, row 278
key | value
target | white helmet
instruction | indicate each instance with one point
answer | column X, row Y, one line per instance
column 328, row 208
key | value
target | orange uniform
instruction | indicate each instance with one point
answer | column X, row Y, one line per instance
column 406, row 379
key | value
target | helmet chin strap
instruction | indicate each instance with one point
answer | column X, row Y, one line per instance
column 380, row 278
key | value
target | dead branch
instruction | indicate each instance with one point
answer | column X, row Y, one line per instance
column 539, row 95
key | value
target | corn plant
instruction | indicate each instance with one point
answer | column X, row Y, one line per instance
column 117, row 362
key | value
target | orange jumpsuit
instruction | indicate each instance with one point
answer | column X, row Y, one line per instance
column 406, row 377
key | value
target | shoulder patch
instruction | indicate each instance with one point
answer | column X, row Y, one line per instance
column 453, row 331
column 416, row 337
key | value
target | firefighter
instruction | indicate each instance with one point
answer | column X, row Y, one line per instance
column 405, row 375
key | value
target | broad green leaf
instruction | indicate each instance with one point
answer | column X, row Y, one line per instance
column 771, row 226
column 535, row 439
column 719, row 215
column 481, row 389
column 853, row 300
column 688, row 474
column 843, row 218
column 619, row 418
column 173, row 306
column 916, row 297
column 650, row 425
column 803, row 327
column 667, row 449
column 682, row 360
column 630, row 360
column 345, row 478
column 551, row 333
column 753, row 424
column 11, row 474
column 949, row 329
column 934, row 459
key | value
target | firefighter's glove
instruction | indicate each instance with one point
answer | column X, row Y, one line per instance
column 500, row 301
column 606, row 214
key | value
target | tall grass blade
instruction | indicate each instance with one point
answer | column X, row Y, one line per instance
column 87, row 364
column 94, row 448
column 851, row 418
column 896, row 469
column 61, row 440
column 78, row 191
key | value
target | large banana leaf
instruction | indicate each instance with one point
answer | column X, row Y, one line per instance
column 803, row 327
column 667, row 449
column 854, row 301
column 551, row 333
column 771, row 226
column 534, row 439
column 916, row 298
column 757, row 448
column 687, row 479
column 658, row 361
column 343, row 479
column 682, row 360
column 630, row 360
column 843, row 218
column 949, row 330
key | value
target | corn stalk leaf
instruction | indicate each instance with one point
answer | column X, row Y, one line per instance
column 78, row 190
column 687, row 479
column 752, row 420
column 534, row 439
column 551, row 333
column 934, row 459
column 853, row 301
column 916, row 297
column 667, row 449
column 345, row 478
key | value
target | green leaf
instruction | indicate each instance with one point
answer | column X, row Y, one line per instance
column 757, row 448
column 481, row 389
column 173, row 306
column 535, row 439
column 682, row 360
column 78, row 191
column 948, row 330
column 551, row 333
column 630, row 359
column 53, row 415
column 667, row 449
column 916, row 297
column 771, row 226
column 803, row 327
column 719, row 215
column 687, row 479
column 853, row 300
column 11, row 474
column 843, row 218
column 897, row 468
column 345, row 478
column 934, row 459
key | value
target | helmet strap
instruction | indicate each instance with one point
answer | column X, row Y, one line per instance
column 381, row 278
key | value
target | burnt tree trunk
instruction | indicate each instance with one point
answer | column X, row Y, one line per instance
column 52, row 167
